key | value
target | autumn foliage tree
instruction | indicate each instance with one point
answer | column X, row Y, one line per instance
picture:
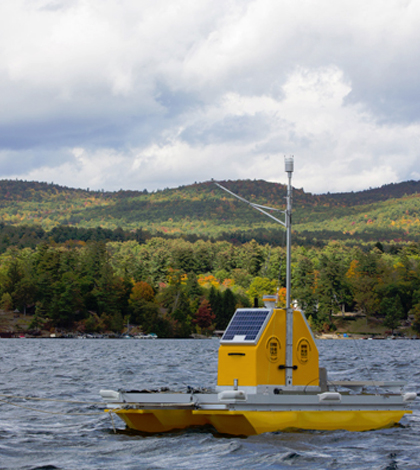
column 144, row 310
column 142, row 290
column 204, row 316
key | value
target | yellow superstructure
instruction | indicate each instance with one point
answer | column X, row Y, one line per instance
column 264, row 363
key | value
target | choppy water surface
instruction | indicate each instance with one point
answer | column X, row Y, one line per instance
column 77, row 369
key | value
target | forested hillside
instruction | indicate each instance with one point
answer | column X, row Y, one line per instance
column 179, row 261
column 387, row 214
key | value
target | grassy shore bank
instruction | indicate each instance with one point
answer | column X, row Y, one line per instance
column 15, row 324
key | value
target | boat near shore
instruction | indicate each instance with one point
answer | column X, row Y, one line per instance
column 269, row 379
column 148, row 336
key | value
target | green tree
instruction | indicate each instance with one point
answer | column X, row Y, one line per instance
column 364, row 277
column 25, row 293
column 67, row 306
column 303, row 285
column 216, row 302
column 227, row 310
column 7, row 302
column 144, row 311
column 204, row 255
column 182, row 315
column 193, row 291
column 250, row 257
column 127, row 260
column 394, row 312
column 261, row 286
column 332, row 288
column 416, row 312
column 182, row 257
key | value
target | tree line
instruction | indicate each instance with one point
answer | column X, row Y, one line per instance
column 175, row 287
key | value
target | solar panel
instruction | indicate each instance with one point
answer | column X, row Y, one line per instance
column 246, row 325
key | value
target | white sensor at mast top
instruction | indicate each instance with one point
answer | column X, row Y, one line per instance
column 288, row 163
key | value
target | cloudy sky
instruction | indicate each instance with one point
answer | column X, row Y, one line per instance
column 135, row 94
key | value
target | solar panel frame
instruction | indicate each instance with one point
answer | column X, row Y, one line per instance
column 246, row 326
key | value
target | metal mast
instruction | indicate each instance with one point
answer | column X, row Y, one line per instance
column 289, row 311
column 288, row 161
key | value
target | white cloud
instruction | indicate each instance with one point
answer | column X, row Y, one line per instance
column 138, row 93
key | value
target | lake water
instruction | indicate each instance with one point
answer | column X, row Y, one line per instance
column 71, row 369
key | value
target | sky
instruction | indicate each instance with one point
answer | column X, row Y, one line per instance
column 154, row 94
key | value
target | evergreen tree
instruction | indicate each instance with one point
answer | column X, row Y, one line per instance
column 193, row 291
column 182, row 315
column 394, row 312
column 216, row 304
column 303, row 287
column 416, row 323
column 227, row 310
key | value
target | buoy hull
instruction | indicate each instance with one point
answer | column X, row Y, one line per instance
column 247, row 423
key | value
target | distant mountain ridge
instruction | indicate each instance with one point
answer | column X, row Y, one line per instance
column 30, row 190
column 385, row 192
column 388, row 213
